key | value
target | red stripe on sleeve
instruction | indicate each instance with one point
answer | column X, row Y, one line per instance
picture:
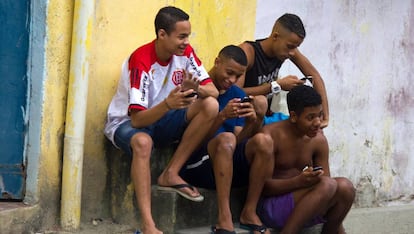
column 206, row 81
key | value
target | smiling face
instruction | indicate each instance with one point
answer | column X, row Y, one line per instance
column 226, row 72
column 176, row 41
column 309, row 121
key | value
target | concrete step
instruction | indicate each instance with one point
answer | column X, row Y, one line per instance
column 207, row 230
column 171, row 211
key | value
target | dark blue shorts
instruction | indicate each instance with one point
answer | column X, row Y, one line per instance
column 166, row 131
column 198, row 170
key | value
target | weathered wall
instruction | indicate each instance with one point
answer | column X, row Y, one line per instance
column 48, row 67
column 364, row 50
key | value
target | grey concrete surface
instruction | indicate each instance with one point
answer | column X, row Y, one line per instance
column 380, row 220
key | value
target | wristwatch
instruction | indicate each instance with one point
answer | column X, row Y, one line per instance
column 275, row 87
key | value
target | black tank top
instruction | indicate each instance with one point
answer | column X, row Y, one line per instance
column 264, row 69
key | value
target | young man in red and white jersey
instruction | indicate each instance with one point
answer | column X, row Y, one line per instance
column 164, row 95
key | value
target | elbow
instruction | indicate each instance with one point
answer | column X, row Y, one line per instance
column 215, row 93
column 135, row 123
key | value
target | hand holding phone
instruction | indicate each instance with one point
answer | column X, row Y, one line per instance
column 317, row 168
column 191, row 94
column 308, row 81
column 246, row 99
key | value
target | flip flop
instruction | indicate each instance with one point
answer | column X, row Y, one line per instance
column 253, row 227
column 215, row 230
column 176, row 188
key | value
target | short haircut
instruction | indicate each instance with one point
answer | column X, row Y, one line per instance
column 302, row 96
column 234, row 52
column 167, row 17
column 292, row 23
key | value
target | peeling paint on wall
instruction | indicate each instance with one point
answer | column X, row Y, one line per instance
column 364, row 50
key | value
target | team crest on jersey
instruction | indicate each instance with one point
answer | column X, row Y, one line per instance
column 178, row 77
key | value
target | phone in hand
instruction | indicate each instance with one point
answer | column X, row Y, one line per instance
column 194, row 93
column 308, row 80
column 246, row 99
column 317, row 168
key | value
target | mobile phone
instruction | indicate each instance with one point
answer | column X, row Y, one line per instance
column 317, row 168
column 307, row 80
column 310, row 78
column 191, row 94
column 246, row 99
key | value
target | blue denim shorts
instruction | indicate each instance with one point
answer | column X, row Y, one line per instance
column 166, row 131
column 198, row 170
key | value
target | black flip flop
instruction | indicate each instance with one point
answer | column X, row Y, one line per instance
column 215, row 230
column 253, row 227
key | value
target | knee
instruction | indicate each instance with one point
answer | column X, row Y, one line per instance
column 262, row 143
column 327, row 187
column 210, row 107
column 345, row 189
column 141, row 145
column 222, row 146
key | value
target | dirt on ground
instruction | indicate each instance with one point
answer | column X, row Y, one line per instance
column 95, row 226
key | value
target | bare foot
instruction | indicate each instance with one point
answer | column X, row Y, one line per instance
column 251, row 218
column 150, row 230
column 225, row 223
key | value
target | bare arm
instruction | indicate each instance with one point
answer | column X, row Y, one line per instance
column 306, row 67
column 175, row 100
column 258, row 90
column 193, row 83
column 235, row 109
column 208, row 89
column 321, row 154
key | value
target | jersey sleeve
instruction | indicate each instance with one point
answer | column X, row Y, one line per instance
column 139, row 85
column 195, row 66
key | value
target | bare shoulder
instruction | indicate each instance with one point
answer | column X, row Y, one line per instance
column 320, row 139
column 272, row 127
column 249, row 51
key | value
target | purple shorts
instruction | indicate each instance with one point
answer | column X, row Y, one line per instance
column 275, row 211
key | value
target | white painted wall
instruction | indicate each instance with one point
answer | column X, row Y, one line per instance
column 364, row 50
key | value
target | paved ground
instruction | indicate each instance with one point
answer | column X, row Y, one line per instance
column 94, row 227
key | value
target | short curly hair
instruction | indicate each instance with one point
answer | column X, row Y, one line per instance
column 302, row 96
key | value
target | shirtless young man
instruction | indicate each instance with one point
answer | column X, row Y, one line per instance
column 297, row 196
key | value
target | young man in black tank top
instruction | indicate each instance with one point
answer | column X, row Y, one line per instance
column 266, row 56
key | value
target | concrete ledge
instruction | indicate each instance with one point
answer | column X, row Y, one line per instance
column 381, row 220
column 15, row 217
column 170, row 211
column 173, row 213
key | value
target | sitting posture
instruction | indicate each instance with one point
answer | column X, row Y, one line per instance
column 232, row 156
column 154, row 106
column 301, row 192
column 266, row 56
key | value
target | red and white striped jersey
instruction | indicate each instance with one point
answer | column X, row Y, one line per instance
column 145, row 81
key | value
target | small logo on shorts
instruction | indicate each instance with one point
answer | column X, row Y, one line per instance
column 178, row 77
